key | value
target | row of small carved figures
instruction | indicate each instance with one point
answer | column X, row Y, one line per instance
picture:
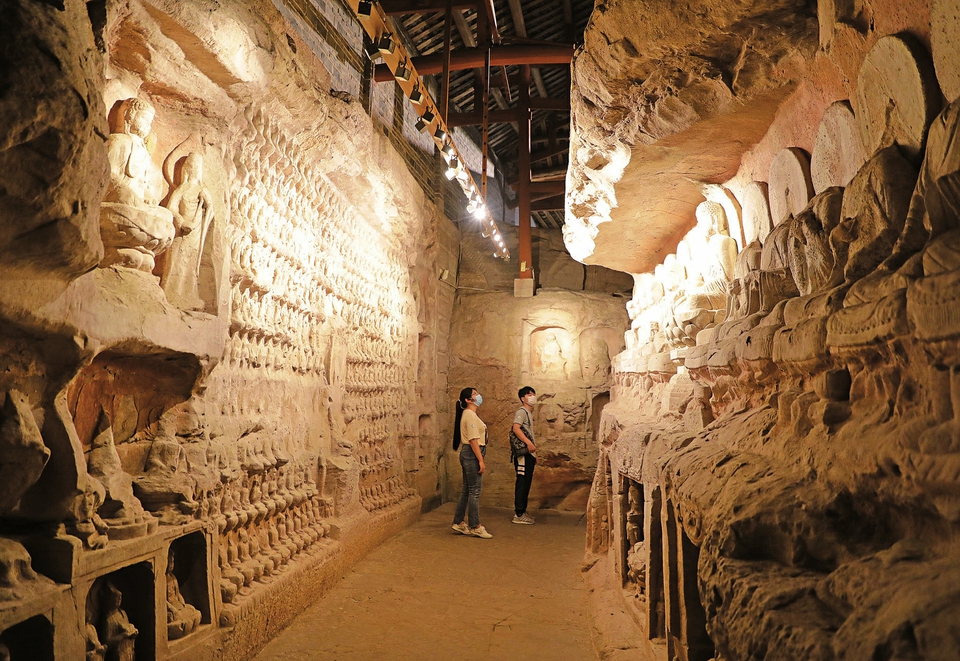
column 374, row 408
column 264, row 305
column 375, row 454
column 361, row 273
column 242, row 352
column 252, row 552
column 301, row 253
column 311, row 226
column 322, row 302
column 377, row 432
column 382, row 495
column 337, row 222
column 296, row 234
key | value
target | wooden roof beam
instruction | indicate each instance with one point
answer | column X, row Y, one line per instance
column 554, row 203
column 399, row 7
column 472, row 58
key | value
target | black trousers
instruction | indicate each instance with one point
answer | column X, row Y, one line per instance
column 524, row 480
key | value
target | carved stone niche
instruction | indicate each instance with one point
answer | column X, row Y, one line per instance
column 597, row 345
column 551, row 353
column 31, row 639
column 112, row 401
column 120, row 615
column 187, row 586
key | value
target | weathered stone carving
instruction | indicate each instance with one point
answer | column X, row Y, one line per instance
column 897, row 96
column 837, row 153
column 709, row 256
column 116, row 633
column 133, row 225
column 120, row 510
column 193, row 213
column 21, row 446
column 17, row 577
column 182, row 618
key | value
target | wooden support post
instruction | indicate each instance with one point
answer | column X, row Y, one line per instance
column 523, row 188
column 485, row 110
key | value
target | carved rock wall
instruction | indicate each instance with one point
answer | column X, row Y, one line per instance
column 224, row 355
column 785, row 484
column 558, row 342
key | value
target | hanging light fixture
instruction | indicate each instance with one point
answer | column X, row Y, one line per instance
column 416, row 96
column 402, row 73
column 426, row 119
column 386, row 45
column 453, row 169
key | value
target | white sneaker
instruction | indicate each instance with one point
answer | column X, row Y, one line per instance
column 524, row 519
column 461, row 528
column 480, row 532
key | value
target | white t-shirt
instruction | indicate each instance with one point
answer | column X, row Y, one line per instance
column 471, row 426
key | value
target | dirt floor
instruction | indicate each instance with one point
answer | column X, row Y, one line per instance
column 431, row 594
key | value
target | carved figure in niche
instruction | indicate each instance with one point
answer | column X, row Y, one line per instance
column 87, row 524
column 547, row 355
column 182, row 618
column 167, row 488
column 133, row 225
column 637, row 568
column 116, row 632
column 193, row 213
column 634, row 515
column 709, row 256
column 95, row 650
column 121, row 509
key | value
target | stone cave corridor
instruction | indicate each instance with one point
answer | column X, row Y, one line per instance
column 251, row 251
column 430, row 593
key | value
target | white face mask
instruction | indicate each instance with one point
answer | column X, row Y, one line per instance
column 531, row 399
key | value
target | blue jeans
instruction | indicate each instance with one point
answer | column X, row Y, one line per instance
column 472, row 483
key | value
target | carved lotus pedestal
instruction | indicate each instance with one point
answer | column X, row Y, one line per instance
column 133, row 236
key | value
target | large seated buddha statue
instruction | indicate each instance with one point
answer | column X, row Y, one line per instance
column 133, row 225
column 709, row 256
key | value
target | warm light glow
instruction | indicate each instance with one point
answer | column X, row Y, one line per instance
column 453, row 169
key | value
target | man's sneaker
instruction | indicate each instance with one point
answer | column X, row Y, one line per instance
column 524, row 519
column 480, row 532
column 462, row 528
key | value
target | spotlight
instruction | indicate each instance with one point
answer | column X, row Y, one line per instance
column 402, row 73
column 462, row 175
column 385, row 45
column 440, row 134
column 365, row 9
column 447, row 151
column 480, row 211
column 371, row 49
column 453, row 169
column 416, row 96
column 426, row 119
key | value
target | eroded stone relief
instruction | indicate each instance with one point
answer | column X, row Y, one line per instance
column 228, row 409
column 824, row 398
